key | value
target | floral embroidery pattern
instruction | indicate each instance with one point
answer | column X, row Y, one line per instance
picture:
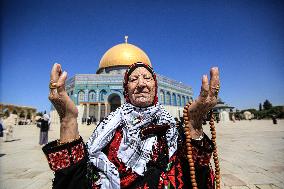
column 64, row 158
column 77, row 152
column 59, row 160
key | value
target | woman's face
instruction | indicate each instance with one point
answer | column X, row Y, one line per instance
column 141, row 87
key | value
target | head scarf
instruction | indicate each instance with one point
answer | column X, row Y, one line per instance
column 133, row 151
column 46, row 117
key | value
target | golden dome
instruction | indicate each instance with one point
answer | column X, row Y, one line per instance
column 123, row 54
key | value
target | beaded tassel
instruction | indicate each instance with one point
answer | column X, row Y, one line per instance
column 189, row 148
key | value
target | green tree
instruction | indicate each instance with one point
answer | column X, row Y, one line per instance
column 39, row 114
column 277, row 111
column 260, row 107
column 267, row 105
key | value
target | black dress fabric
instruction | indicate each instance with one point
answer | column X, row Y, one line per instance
column 44, row 126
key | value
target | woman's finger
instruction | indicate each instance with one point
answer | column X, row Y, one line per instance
column 204, row 87
column 55, row 73
column 214, row 82
column 61, row 82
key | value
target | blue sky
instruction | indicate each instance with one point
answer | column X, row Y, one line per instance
column 183, row 39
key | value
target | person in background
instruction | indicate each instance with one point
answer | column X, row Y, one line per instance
column 274, row 119
column 44, row 127
column 1, row 126
column 8, row 126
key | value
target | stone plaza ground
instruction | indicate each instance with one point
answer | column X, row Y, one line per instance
column 251, row 156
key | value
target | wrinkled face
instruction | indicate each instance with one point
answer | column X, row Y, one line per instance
column 141, row 87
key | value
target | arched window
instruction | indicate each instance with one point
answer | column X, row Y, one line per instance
column 81, row 96
column 178, row 100
column 174, row 99
column 29, row 115
column 162, row 97
column 22, row 114
column 102, row 95
column 168, row 98
column 183, row 101
column 92, row 96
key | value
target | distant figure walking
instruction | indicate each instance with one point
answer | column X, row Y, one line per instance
column 1, row 128
column 274, row 120
column 44, row 127
column 233, row 118
column 8, row 127
column 89, row 120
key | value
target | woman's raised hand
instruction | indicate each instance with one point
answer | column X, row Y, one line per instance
column 206, row 100
column 63, row 104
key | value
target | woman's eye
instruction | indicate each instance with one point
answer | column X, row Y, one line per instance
column 133, row 79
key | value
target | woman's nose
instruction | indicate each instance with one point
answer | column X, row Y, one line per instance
column 141, row 82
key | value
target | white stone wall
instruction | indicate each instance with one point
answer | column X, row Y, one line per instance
column 175, row 111
column 80, row 113
column 54, row 117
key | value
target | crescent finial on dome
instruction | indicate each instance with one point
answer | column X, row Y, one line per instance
column 126, row 38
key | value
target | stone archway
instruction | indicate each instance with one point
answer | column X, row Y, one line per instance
column 29, row 115
column 15, row 112
column 114, row 101
column 22, row 115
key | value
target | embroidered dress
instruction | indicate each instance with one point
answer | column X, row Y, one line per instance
column 127, row 150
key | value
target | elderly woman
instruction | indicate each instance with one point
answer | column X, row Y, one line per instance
column 136, row 146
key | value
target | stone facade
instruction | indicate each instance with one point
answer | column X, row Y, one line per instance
column 96, row 95
column 24, row 114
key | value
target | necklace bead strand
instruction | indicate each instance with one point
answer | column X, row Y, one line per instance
column 215, row 154
column 189, row 148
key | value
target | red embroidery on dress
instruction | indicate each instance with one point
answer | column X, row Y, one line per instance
column 146, row 186
column 158, row 150
column 171, row 173
column 200, row 157
column 179, row 174
column 211, row 178
column 77, row 152
column 127, row 177
column 169, row 177
column 59, row 160
column 164, row 181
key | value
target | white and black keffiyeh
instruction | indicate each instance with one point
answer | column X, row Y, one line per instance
column 133, row 151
